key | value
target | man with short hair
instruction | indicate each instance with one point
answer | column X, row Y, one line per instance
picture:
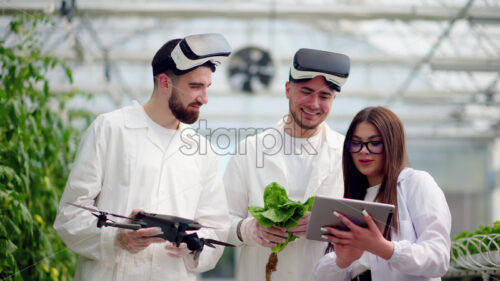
column 302, row 154
column 131, row 159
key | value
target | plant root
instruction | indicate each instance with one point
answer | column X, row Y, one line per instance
column 271, row 265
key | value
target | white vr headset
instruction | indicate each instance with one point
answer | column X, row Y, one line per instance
column 194, row 51
column 309, row 63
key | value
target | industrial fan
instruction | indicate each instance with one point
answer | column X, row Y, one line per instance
column 250, row 70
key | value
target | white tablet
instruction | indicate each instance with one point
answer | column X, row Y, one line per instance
column 323, row 208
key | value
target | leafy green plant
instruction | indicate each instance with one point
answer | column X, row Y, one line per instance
column 279, row 211
column 466, row 240
column 37, row 145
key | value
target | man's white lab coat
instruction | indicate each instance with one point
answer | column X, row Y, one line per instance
column 121, row 165
column 245, row 180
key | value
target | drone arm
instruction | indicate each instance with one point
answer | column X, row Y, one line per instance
column 211, row 242
column 102, row 220
column 123, row 225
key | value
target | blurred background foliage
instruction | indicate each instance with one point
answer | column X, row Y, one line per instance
column 38, row 142
column 39, row 136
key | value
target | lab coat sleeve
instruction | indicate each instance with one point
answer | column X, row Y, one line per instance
column 328, row 270
column 236, row 189
column 429, row 255
column 211, row 211
column 75, row 226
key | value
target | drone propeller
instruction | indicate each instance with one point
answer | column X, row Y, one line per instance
column 83, row 207
column 98, row 211
column 196, row 244
column 210, row 243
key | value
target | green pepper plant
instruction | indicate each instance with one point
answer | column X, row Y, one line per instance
column 37, row 145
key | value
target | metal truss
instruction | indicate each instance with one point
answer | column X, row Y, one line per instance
column 420, row 54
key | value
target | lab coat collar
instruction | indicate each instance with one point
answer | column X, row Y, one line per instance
column 135, row 119
column 134, row 116
column 328, row 135
column 405, row 173
column 177, row 141
column 328, row 154
column 322, row 168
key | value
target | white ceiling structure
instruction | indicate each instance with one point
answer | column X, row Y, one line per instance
column 436, row 63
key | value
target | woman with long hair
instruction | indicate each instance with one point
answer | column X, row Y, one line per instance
column 375, row 167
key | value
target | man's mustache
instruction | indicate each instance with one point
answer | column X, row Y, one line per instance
column 196, row 103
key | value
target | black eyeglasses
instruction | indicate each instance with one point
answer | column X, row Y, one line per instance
column 375, row 147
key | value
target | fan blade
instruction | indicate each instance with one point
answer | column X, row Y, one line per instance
column 251, row 69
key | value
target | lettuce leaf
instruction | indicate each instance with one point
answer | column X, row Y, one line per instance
column 280, row 211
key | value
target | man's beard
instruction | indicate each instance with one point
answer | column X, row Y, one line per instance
column 182, row 114
column 298, row 121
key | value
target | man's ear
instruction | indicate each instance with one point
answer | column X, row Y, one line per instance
column 164, row 81
column 287, row 87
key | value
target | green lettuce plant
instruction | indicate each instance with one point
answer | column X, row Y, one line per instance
column 279, row 211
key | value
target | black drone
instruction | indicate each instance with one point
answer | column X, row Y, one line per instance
column 173, row 228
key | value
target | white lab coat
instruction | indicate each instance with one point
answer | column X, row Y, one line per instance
column 422, row 246
column 121, row 162
column 245, row 180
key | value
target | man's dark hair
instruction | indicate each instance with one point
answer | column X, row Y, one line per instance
column 162, row 62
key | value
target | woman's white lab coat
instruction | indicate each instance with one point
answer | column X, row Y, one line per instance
column 121, row 165
column 256, row 164
column 422, row 246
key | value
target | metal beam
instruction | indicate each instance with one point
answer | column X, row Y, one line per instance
column 458, row 63
column 241, row 10
column 430, row 97
column 414, row 71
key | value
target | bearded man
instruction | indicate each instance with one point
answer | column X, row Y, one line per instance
column 130, row 160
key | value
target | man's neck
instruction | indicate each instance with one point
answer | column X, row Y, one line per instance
column 158, row 110
column 294, row 130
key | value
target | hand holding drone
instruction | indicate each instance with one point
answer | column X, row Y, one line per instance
column 135, row 241
column 173, row 228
